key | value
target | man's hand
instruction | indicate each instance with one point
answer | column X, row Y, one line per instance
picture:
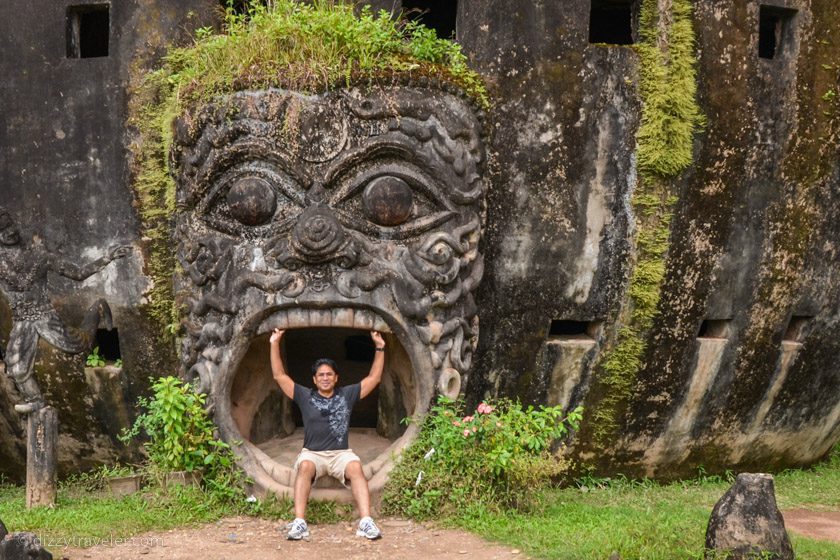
column 119, row 251
column 378, row 341
column 276, row 335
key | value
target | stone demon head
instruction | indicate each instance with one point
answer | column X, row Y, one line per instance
column 330, row 215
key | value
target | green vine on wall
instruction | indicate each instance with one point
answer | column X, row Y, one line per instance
column 305, row 47
column 670, row 116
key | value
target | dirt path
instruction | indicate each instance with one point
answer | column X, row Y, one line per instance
column 244, row 538
column 823, row 525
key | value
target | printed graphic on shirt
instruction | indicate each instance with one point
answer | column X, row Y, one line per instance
column 336, row 410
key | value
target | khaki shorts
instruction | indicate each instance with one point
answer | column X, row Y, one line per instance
column 329, row 463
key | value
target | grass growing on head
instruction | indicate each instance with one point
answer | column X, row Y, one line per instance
column 306, row 47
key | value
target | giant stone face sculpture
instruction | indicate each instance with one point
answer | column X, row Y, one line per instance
column 354, row 209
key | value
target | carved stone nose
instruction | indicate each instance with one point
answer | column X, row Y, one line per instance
column 317, row 235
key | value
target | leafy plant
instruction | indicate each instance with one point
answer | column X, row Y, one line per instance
column 180, row 436
column 94, row 359
column 493, row 458
column 118, row 363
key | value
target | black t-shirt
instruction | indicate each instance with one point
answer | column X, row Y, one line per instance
column 326, row 421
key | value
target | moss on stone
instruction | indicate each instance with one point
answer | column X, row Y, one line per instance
column 668, row 88
column 309, row 48
column 670, row 117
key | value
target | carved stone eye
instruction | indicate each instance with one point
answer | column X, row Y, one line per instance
column 252, row 201
column 388, row 201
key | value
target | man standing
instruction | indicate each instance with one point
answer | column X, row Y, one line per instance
column 326, row 422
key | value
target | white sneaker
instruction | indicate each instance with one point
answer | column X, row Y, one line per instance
column 368, row 529
column 297, row 530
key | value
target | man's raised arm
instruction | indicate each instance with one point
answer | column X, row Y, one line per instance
column 287, row 384
column 370, row 382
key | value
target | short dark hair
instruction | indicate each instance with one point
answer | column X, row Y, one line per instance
column 321, row 362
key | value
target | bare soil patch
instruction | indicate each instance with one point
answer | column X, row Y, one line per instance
column 823, row 525
column 244, row 538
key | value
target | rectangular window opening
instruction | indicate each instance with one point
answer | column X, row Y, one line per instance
column 439, row 15
column 797, row 327
column 562, row 328
column 88, row 30
column 715, row 328
column 774, row 30
column 109, row 344
column 611, row 21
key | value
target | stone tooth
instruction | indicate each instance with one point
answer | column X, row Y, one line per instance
column 298, row 318
column 343, row 317
column 380, row 325
column 279, row 320
column 363, row 320
column 320, row 318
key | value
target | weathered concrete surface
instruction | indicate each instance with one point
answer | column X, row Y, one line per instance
column 753, row 238
column 64, row 177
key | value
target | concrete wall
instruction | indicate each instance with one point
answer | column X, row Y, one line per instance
column 753, row 243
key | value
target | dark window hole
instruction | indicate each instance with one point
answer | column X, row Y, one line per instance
column 88, row 29
column 359, row 348
column 714, row 328
column 774, row 29
column 562, row 328
column 611, row 21
column 439, row 15
column 109, row 344
column 796, row 328
column 240, row 7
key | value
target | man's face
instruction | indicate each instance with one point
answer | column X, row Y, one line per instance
column 325, row 379
column 9, row 234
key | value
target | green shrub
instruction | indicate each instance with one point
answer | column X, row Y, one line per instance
column 492, row 459
column 180, row 437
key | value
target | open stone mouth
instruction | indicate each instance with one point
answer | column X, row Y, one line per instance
column 256, row 413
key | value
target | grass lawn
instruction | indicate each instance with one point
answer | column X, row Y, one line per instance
column 636, row 519
column 647, row 520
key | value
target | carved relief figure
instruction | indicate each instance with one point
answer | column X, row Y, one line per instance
column 24, row 269
column 355, row 208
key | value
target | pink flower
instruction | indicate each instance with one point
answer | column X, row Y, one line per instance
column 475, row 429
column 466, row 433
column 456, row 423
column 468, row 418
column 484, row 408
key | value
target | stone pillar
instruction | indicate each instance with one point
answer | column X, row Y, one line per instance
column 42, row 439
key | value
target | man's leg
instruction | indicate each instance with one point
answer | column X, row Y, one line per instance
column 303, row 485
column 359, row 487
column 361, row 493
column 306, row 471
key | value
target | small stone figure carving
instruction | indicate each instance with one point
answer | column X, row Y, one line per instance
column 24, row 269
